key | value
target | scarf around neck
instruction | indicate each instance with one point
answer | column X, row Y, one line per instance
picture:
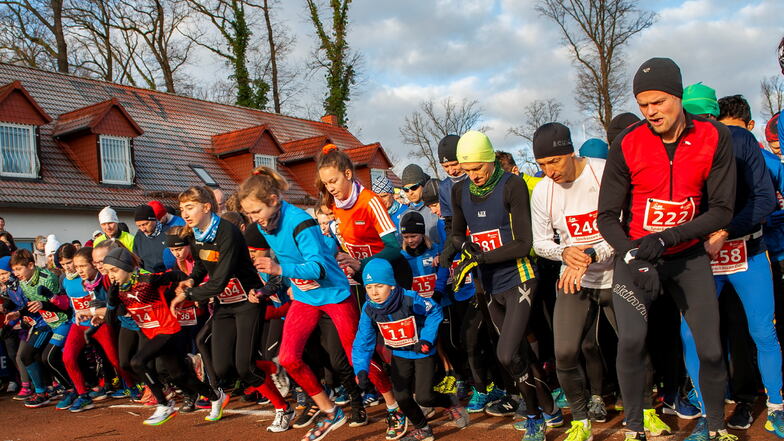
column 489, row 186
column 391, row 304
column 273, row 221
column 349, row 202
column 209, row 234
column 132, row 281
column 158, row 229
column 91, row 285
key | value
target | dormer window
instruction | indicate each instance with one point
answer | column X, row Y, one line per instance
column 18, row 155
column 116, row 162
column 264, row 160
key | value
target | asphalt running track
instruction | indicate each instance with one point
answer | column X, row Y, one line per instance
column 122, row 420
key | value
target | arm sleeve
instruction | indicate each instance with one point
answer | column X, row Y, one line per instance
column 542, row 225
column 434, row 315
column 720, row 187
column 444, row 198
column 613, row 198
column 762, row 200
column 516, row 202
column 230, row 245
column 314, row 251
column 364, row 344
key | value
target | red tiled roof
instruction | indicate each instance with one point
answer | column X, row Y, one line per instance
column 302, row 149
column 87, row 118
column 178, row 133
column 238, row 140
column 6, row 90
column 362, row 155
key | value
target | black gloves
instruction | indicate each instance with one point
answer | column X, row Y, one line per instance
column 644, row 275
column 423, row 347
column 470, row 256
column 363, row 381
column 651, row 247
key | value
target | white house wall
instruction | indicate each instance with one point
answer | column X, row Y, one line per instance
column 67, row 225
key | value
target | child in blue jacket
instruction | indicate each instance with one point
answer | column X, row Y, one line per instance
column 408, row 323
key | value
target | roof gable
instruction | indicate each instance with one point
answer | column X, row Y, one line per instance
column 303, row 149
column 104, row 118
column 251, row 139
column 18, row 106
column 365, row 155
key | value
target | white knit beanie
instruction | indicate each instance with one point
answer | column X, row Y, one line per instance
column 52, row 244
column 108, row 215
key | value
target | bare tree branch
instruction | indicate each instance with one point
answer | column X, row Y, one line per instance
column 772, row 89
column 535, row 114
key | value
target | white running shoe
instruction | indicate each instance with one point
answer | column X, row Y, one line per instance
column 12, row 387
column 281, row 381
column 163, row 413
column 282, row 420
column 216, row 412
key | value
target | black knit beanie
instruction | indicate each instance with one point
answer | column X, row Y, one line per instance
column 552, row 139
column 658, row 74
column 412, row 223
column 619, row 123
column 430, row 192
column 144, row 213
column 121, row 258
column 447, row 148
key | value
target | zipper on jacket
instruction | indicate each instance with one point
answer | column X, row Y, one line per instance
column 671, row 178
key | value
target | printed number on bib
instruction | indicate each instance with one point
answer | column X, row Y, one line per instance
column 661, row 214
column 425, row 285
column 468, row 279
column 29, row 321
column 780, row 200
column 583, row 228
column 732, row 258
column 488, row 240
column 233, row 293
column 305, row 285
column 359, row 252
column 400, row 333
column 143, row 317
column 186, row 316
column 82, row 304
column 49, row 316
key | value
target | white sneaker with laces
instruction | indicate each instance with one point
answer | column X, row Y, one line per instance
column 163, row 413
column 281, row 381
column 282, row 420
column 12, row 387
column 216, row 411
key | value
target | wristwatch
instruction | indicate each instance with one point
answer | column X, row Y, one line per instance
column 591, row 253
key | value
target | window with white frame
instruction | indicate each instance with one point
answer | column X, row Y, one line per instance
column 264, row 160
column 18, row 155
column 116, row 164
column 377, row 173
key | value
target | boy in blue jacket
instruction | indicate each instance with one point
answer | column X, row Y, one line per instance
column 408, row 323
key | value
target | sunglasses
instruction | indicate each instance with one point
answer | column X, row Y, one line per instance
column 412, row 188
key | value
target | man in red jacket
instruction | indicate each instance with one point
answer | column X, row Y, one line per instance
column 669, row 181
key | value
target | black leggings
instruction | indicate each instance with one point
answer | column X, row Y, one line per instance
column 270, row 339
column 509, row 311
column 12, row 351
column 204, row 344
column 338, row 362
column 127, row 346
column 418, row 371
column 689, row 281
column 235, row 336
column 49, row 356
column 166, row 350
column 576, row 323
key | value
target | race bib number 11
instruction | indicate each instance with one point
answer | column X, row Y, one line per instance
column 400, row 333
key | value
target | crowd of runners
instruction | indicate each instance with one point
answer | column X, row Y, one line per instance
column 639, row 275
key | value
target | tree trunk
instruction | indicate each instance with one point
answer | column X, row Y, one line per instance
column 273, row 58
column 59, row 36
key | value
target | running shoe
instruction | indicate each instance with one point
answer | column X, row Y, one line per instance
column 358, row 415
column 281, row 381
column 534, row 429
column 24, row 393
column 67, row 400
column 203, row 403
column 57, row 391
column 448, row 385
column 37, row 400
column 504, row 407
column 282, row 420
column 694, row 399
column 163, row 413
column 458, row 415
column 397, row 424
column 12, row 388
column 635, row 436
column 494, row 393
column 120, row 393
column 136, row 393
column 700, row 432
column 428, row 412
column 520, row 425
column 618, row 404
column 653, row 424
column 83, row 402
column 327, row 423
column 251, row 395
column 263, row 401
column 341, row 396
column 478, row 401
column 741, row 417
column 302, row 398
column 723, row 435
column 559, row 397
column 775, row 423
column 217, row 406
column 188, row 404
column 596, row 410
column 423, row 434
column 680, row 407
column 554, row 420
column 307, row 417
column 579, row 432
column 98, row 394
column 371, row 399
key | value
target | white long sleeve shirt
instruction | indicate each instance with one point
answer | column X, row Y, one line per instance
column 570, row 210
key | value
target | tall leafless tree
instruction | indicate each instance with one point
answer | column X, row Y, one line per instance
column 772, row 89
column 33, row 30
column 535, row 114
column 596, row 32
column 92, row 32
column 425, row 127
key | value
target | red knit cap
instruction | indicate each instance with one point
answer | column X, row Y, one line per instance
column 158, row 208
column 771, row 131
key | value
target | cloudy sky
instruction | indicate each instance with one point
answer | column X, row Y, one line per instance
column 503, row 54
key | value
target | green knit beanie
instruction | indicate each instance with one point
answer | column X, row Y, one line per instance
column 700, row 99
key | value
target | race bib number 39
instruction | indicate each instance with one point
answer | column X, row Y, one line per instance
column 661, row 214
column 233, row 293
column 732, row 258
column 425, row 285
column 583, row 228
column 49, row 316
column 81, row 304
column 488, row 240
column 400, row 333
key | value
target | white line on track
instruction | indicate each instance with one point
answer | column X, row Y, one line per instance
column 257, row 413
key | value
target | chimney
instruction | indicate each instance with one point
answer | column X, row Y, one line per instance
column 330, row 119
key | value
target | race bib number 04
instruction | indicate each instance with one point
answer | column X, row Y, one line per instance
column 732, row 258
column 400, row 333
column 488, row 240
column 425, row 285
column 661, row 214
column 233, row 293
column 583, row 228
